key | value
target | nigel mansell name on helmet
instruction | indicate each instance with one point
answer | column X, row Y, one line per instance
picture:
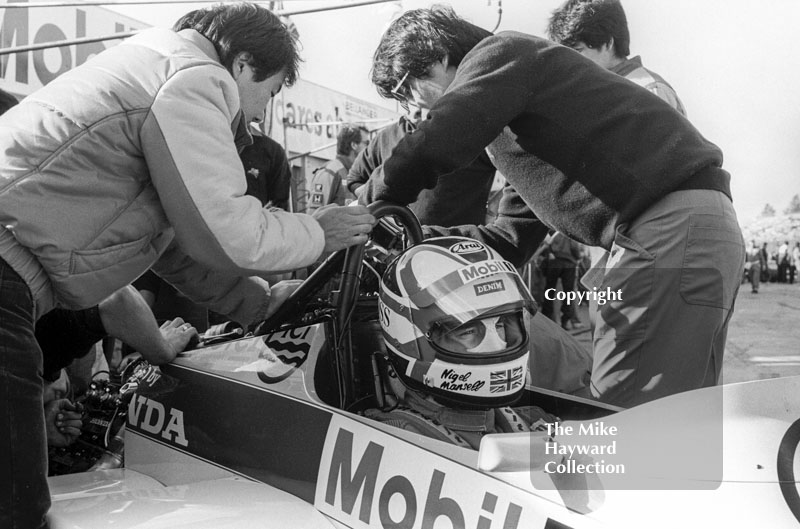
column 484, row 269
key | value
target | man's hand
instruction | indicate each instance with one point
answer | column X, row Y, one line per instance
column 62, row 421
column 279, row 292
column 344, row 226
column 176, row 334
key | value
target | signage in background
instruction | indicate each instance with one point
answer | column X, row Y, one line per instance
column 305, row 119
column 22, row 73
column 307, row 103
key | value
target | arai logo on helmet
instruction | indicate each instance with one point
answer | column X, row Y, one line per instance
column 467, row 247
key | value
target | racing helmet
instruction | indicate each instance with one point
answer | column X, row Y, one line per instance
column 454, row 316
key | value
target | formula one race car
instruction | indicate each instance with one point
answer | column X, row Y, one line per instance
column 267, row 430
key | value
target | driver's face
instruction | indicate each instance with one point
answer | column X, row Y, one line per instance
column 476, row 333
column 487, row 335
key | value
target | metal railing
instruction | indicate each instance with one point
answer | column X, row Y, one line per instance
column 118, row 36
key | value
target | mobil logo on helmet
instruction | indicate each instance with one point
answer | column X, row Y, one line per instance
column 484, row 269
column 467, row 247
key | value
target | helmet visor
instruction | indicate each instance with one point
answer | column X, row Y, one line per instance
column 482, row 336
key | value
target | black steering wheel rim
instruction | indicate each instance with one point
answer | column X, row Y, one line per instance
column 351, row 257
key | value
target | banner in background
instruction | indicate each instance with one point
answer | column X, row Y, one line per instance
column 22, row 73
column 307, row 103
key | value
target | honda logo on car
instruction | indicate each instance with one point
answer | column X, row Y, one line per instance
column 151, row 416
column 423, row 499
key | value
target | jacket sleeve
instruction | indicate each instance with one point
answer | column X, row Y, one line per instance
column 243, row 299
column 515, row 233
column 338, row 188
column 189, row 148
column 360, row 171
column 489, row 90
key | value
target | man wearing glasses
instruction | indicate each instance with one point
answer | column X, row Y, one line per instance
column 593, row 156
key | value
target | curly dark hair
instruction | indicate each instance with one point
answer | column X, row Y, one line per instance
column 417, row 40
column 593, row 22
column 348, row 134
column 249, row 28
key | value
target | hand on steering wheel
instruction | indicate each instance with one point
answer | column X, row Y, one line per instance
column 344, row 226
column 297, row 301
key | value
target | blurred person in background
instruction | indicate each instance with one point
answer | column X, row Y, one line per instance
column 328, row 184
column 784, row 260
column 756, row 263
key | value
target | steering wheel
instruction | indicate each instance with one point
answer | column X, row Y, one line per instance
column 296, row 303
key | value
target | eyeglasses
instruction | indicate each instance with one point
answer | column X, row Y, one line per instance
column 400, row 91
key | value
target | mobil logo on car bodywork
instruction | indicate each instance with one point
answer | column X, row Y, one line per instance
column 371, row 479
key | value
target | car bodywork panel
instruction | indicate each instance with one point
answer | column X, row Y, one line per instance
column 236, row 433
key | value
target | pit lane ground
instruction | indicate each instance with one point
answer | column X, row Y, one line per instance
column 763, row 336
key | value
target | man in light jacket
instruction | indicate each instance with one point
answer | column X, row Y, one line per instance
column 130, row 161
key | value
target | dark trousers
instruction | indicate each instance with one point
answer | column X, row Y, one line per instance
column 24, row 496
column 783, row 271
column 564, row 270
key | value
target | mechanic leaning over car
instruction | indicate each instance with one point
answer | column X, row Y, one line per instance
column 455, row 319
column 593, row 156
column 115, row 161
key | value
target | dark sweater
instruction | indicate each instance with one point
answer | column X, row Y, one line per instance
column 458, row 198
column 614, row 148
column 267, row 172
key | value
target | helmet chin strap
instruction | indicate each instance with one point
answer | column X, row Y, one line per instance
column 492, row 342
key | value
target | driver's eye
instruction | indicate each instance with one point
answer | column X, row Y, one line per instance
column 466, row 332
